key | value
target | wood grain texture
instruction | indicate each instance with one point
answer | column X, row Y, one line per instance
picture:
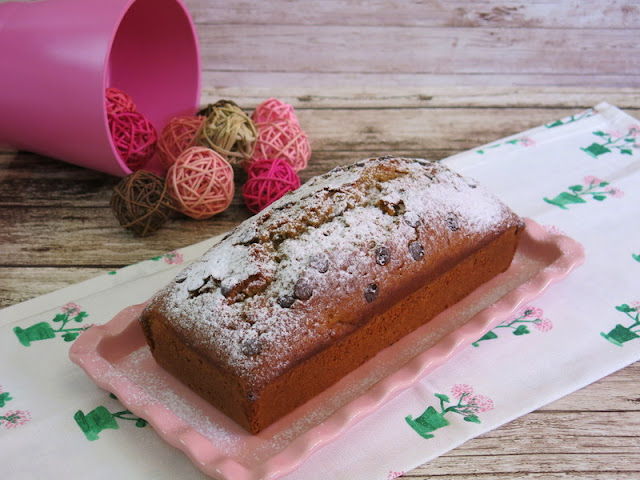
column 420, row 78
column 417, row 13
column 396, row 43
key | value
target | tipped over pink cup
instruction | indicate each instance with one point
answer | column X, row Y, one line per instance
column 58, row 57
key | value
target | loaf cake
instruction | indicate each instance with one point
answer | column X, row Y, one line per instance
column 301, row 294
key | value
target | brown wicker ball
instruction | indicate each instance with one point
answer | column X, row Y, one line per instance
column 229, row 131
column 141, row 202
column 206, row 110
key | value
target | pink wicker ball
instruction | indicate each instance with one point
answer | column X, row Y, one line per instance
column 273, row 109
column 281, row 139
column 201, row 182
column 134, row 137
column 176, row 137
column 268, row 181
column 118, row 102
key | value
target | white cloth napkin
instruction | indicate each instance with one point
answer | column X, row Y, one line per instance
column 579, row 175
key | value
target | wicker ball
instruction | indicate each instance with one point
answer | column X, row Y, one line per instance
column 228, row 131
column 141, row 202
column 268, row 180
column 281, row 139
column 134, row 137
column 201, row 182
column 206, row 111
column 177, row 135
column 273, row 109
column 118, row 102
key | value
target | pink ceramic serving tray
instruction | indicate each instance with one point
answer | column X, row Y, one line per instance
column 117, row 359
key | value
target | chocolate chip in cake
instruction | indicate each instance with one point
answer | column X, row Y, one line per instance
column 412, row 219
column 303, row 289
column 251, row 346
column 319, row 262
column 383, row 255
column 452, row 222
column 416, row 250
column 286, row 301
column 371, row 292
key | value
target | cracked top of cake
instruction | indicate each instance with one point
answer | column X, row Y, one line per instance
column 323, row 259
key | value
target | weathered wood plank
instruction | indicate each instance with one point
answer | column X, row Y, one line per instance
column 21, row 284
column 392, row 50
column 92, row 236
column 368, row 96
column 253, row 78
column 539, row 462
column 564, row 14
column 521, row 475
column 595, row 432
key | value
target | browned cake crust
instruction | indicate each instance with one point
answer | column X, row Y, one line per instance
column 306, row 291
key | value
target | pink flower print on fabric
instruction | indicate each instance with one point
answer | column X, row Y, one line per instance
column 543, row 325
column 461, row 389
column 527, row 142
column 174, row 258
column 71, row 308
column 482, row 403
column 15, row 418
column 615, row 192
column 528, row 311
column 392, row 475
column 591, row 180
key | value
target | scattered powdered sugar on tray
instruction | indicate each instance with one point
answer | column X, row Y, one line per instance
column 155, row 386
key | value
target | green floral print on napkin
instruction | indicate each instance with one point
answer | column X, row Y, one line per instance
column 70, row 312
column 519, row 324
column 468, row 405
column 621, row 334
column 623, row 143
column 100, row 418
column 12, row 418
column 571, row 119
column 591, row 188
column 522, row 141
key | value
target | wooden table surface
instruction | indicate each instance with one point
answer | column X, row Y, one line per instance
column 419, row 78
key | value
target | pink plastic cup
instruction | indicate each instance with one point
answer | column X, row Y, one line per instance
column 57, row 58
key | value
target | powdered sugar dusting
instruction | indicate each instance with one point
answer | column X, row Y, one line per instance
column 295, row 276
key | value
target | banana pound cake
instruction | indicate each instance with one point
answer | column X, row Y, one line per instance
column 298, row 296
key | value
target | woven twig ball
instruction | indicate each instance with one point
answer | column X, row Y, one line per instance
column 273, row 109
column 206, row 110
column 134, row 137
column 229, row 131
column 268, row 180
column 201, row 182
column 177, row 135
column 281, row 139
column 141, row 202
column 118, row 102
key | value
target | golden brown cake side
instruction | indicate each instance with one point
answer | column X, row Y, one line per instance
column 301, row 294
